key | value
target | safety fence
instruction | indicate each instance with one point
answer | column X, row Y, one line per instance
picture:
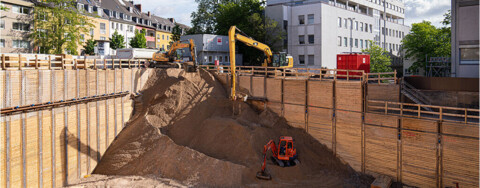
column 55, row 62
column 417, row 150
column 57, row 124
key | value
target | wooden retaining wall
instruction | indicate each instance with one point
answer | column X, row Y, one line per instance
column 416, row 151
column 49, row 147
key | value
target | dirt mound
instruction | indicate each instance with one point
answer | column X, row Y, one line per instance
column 183, row 128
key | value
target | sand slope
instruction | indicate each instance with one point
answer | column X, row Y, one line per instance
column 183, row 129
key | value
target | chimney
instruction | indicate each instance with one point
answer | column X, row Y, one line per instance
column 139, row 7
column 149, row 14
column 171, row 20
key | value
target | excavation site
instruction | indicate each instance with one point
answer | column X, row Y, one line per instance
column 183, row 128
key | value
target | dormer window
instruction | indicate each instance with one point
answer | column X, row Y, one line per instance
column 90, row 9
column 110, row 13
column 117, row 15
column 80, row 6
column 100, row 12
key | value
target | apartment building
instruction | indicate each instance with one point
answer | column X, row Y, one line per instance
column 120, row 21
column 212, row 48
column 15, row 26
column 465, row 39
column 100, row 31
column 318, row 30
column 163, row 36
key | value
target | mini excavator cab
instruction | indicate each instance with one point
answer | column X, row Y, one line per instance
column 284, row 155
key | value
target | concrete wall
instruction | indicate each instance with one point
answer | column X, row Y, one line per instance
column 50, row 147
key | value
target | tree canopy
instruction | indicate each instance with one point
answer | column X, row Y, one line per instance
column 89, row 47
column 426, row 40
column 139, row 41
column 379, row 58
column 117, row 41
column 176, row 33
column 58, row 26
column 247, row 15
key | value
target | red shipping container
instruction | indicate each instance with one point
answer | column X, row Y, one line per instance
column 353, row 61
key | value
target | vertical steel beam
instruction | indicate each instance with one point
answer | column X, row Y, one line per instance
column 40, row 130
column 79, row 165
column 8, row 98
column 98, row 117
column 23, row 117
column 52, row 98
column 65, row 122
column 115, row 100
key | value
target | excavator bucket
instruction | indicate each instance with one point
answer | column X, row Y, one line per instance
column 264, row 175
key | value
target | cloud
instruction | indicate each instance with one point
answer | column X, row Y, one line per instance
column 178, row 9
column 430, row 10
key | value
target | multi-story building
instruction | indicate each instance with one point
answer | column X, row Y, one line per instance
column 465, row 39
column 100, row 31
column 120, row 20
column 163, row 36
column 16, row 23
column 317, row 30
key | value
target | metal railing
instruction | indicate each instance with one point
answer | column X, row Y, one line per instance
column 382, row 78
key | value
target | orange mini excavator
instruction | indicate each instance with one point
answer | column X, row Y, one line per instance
column 284, row 155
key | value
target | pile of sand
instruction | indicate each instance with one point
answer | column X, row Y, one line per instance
column 183, row 129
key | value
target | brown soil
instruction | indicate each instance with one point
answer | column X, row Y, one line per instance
column 183, row 129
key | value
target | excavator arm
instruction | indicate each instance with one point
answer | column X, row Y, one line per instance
column 269, row 146
column 233, row 36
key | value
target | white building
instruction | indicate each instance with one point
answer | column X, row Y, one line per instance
column 465, row 38
column 120, row 21
column 318, row 30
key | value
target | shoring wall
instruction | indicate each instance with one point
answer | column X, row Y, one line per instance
column 417, row 152
column 49, row 147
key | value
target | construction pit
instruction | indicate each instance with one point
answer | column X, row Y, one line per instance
column 183, row 128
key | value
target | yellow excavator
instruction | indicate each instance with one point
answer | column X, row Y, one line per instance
column 280, row 60
column 169, row 59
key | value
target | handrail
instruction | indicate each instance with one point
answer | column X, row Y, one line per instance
column 414, row 91
column 416, row 110
column 61, row 62
column 377, row 77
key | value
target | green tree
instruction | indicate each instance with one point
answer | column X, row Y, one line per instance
column 4, row 8
column 139, row 41
column 447, row 18
column 426, row 40
column 117, row 41
column 176, row 34
column 58, row 26
column 248, row 16
column 379, row 58
column 89, row 47
column 203, row 20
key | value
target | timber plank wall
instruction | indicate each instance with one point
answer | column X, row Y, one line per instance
column 417, row 152
column 49, row 147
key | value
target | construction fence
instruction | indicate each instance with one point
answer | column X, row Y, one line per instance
column 412, row 145
column 57, row 124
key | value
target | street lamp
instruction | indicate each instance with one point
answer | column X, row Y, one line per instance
column 351, row 29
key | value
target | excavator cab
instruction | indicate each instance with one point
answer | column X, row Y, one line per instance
column 281, row 59
column 284, row 155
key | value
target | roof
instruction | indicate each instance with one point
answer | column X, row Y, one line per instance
column 115, row 5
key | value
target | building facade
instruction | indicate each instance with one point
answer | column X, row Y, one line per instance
column 16, row 23
column 318, row 30
column 465, row 39
column 100, row 30
column 211, row 48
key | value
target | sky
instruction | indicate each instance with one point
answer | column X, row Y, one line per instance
column 415, row 10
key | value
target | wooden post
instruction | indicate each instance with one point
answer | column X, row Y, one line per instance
column 441, row 113
column 3, row 62
column 119, row 63
column 266, row 70
column 418, row 110
column 129, row 63
column 401, row 109
column 466, row 115
column 19, row 61
column 386, row 107
column 36, row 61
column 395, row 75
column 378, row 74
column 49, row 62
column 75, row 66
column 63, row 61
column 94, row 63
column 348, row 75
column 104, row 63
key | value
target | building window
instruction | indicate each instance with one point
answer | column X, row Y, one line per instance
column 301, row 59
column 356, row 43
column 383, row 30
column 113, row 25
column 351, row 42
column 301, row 39
column 103, row 38
column 469, row 56
column 2, row 24
column 345, row 42
column 361, row 43
column 226, row 58
column 301, row 19
column 366, row 27
column 121, row 27
column 21, row 44
column 345, row 22
column 339, row 22
column 91, row 32
column 2, row 43
column 82, row 38
column 339, row 42
column 311, row 39
column 371, row 28
column 361, row 26
column 20, row 9
column 220, row 59
column 21, row 26
column 210, row 59
column 351, row 24
column 100, row 45
column 356, row 25
column 168, row 37
column 310, row 19
column 103, row 28
column 311, row 60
